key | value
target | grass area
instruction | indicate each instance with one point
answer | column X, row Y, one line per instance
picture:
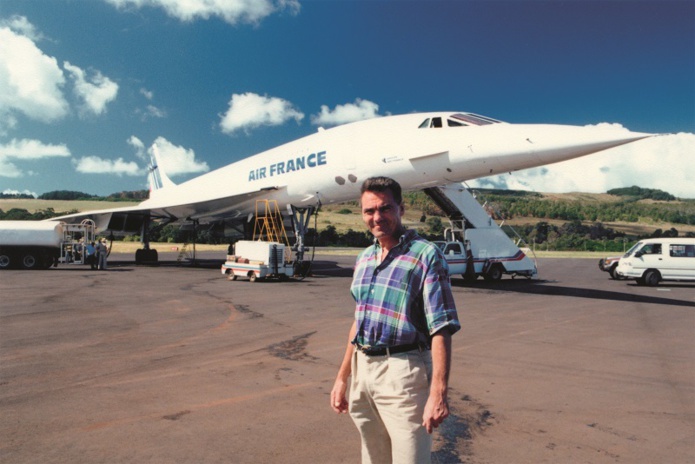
column 131, row 247
column 333, row 214
column 60, row 205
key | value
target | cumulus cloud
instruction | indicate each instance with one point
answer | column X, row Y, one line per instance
column 26, row 150
column 231, row 11
column 343, row 114
column 139, row 147
column 177, row 160
column 97, row 165
column 22, row 26
column 94, row 90
column 18, row 192
column 30, row 80
column 662, row 162
column 249, row 110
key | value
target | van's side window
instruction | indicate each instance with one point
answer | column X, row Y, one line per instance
column 682, row 251
column 652, row 249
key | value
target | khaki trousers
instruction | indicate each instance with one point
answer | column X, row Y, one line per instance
column 387, row 400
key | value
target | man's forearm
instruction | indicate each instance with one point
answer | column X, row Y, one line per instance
column 441, row 362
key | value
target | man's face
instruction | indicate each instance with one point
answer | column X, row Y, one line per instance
column 381, row 214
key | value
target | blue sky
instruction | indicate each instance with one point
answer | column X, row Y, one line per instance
column 87, row 86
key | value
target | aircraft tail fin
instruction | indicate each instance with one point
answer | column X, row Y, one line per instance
column 158, row 179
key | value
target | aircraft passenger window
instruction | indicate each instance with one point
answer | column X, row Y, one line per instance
column 425, row 124
column 436, row 122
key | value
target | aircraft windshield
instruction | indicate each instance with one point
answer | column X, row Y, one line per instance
column 458, row 120
column 474, row 119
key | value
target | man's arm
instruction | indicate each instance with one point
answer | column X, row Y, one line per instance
column 338, row 400
column 437, row 409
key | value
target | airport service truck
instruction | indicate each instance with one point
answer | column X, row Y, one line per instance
column 30, row 244
column 258, row 260
column 42, row 244
column 485, row 252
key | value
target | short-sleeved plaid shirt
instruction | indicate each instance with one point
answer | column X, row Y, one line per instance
column 404, row 299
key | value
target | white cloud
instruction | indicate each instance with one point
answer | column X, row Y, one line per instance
column 96, row 165
column 30, row 80
column 17, row 192
column 147, row 93
column 24, row 150
column 662, row 162
column 139, row 147
column 249, row 110
column 177, row 160
column 231, row 11
column 350, row 112
column 95, row 91
column 22, row 26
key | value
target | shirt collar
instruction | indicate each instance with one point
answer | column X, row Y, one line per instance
column 407, row 236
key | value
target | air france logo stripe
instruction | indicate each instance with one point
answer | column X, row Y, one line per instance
column 291, row 165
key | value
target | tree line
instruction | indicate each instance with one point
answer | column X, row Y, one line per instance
column 583, row 227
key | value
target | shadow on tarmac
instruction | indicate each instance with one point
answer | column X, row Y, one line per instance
column 540, row 287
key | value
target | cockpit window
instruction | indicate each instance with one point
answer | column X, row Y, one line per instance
column 458, row 120
column 474, row 119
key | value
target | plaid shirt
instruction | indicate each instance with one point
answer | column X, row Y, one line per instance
column 404, row 299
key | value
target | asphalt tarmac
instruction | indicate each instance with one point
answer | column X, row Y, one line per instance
column 176, row 364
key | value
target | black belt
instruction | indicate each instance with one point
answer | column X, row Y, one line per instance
column 384, row 350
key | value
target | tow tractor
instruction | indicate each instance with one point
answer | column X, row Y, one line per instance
column 258, row 260
column 269, row 256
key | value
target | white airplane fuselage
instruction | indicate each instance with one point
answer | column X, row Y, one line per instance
column 330, row 165
column 419, row 150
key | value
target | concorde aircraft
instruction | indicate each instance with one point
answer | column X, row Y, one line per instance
column 419, row 150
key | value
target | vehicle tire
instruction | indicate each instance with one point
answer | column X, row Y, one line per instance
column 651, row 278
column 5, row 260
column 47, row 261
column 613, row 273
column 600, row 264
column 231, row 276
column 252, row 276
column 30, row 261
column 494, row 273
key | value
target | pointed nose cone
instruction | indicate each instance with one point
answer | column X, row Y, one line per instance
column 559, row 143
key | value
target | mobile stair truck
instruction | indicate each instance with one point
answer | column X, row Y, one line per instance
column 476, row 245
column 42, row 244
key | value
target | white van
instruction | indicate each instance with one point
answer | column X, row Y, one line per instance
column 653, row 260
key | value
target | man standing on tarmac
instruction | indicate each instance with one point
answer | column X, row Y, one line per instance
column 399, row 349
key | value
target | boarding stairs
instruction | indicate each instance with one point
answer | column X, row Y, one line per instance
column 472, row 224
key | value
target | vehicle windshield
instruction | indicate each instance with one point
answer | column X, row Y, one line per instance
column 633, row 249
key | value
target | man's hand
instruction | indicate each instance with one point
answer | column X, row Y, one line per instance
column 338, row 401
column 436, row 410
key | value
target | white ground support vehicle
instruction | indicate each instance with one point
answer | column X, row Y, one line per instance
column 507, row 260
column 610, row 265
column 258, row 260
column 42, row 244
column 653, row 260
column 476, row 245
